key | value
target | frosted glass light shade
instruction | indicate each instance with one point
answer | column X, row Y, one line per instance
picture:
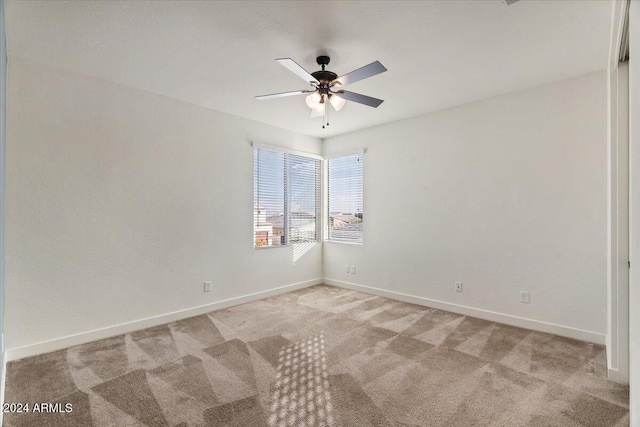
column 319, row 109
column 337, row 102
column 313, row 100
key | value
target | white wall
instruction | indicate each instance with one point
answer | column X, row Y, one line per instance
column 121, row 203
column 505, row 194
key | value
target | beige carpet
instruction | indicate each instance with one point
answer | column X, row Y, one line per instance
column 323, row 356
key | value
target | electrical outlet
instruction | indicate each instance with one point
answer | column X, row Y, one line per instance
column 207, row 286
column 458, row 286
column 347, row 269
column 525, row 298
column 352, row 270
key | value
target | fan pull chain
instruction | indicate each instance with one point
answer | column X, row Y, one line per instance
column 326, row 111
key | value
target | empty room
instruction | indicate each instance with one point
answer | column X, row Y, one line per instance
column 320, row 213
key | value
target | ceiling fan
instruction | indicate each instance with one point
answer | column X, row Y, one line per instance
column 324, row 82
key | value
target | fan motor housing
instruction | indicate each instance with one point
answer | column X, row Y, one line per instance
column 324, row 77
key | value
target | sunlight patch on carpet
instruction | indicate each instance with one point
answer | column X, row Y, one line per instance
column 301, row 395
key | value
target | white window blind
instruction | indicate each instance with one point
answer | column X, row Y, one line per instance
column 345, row 204
column 286, row 198
column 304, row 199
column 269, row 188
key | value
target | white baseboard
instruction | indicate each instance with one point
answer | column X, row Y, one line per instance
column 85, row 337
column 617, row 377
column 123, row 328
column 493, row 316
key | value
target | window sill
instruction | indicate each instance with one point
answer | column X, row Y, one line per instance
column 259, row 248
column 344, row 243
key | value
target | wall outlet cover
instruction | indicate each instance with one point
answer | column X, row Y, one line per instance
column 207, row 286
column 458, row 286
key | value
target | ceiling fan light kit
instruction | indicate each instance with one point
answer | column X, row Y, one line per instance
column 324, row 82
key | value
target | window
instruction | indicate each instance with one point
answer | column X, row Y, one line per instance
column 286, row 198
column 344, row 188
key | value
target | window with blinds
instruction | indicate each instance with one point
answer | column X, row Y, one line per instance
column 345, row 201
column 286, row 196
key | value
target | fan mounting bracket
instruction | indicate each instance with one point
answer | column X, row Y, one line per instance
column 323, row 61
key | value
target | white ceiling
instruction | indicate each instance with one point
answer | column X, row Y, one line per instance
column 221, row 54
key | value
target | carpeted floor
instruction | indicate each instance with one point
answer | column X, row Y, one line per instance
column 323, row 356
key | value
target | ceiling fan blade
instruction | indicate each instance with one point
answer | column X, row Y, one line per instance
column 360, row 74
column 361, row 99
column 296, row 69
column 283, row 94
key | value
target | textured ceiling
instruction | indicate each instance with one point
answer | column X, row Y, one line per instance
column 221, row 54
